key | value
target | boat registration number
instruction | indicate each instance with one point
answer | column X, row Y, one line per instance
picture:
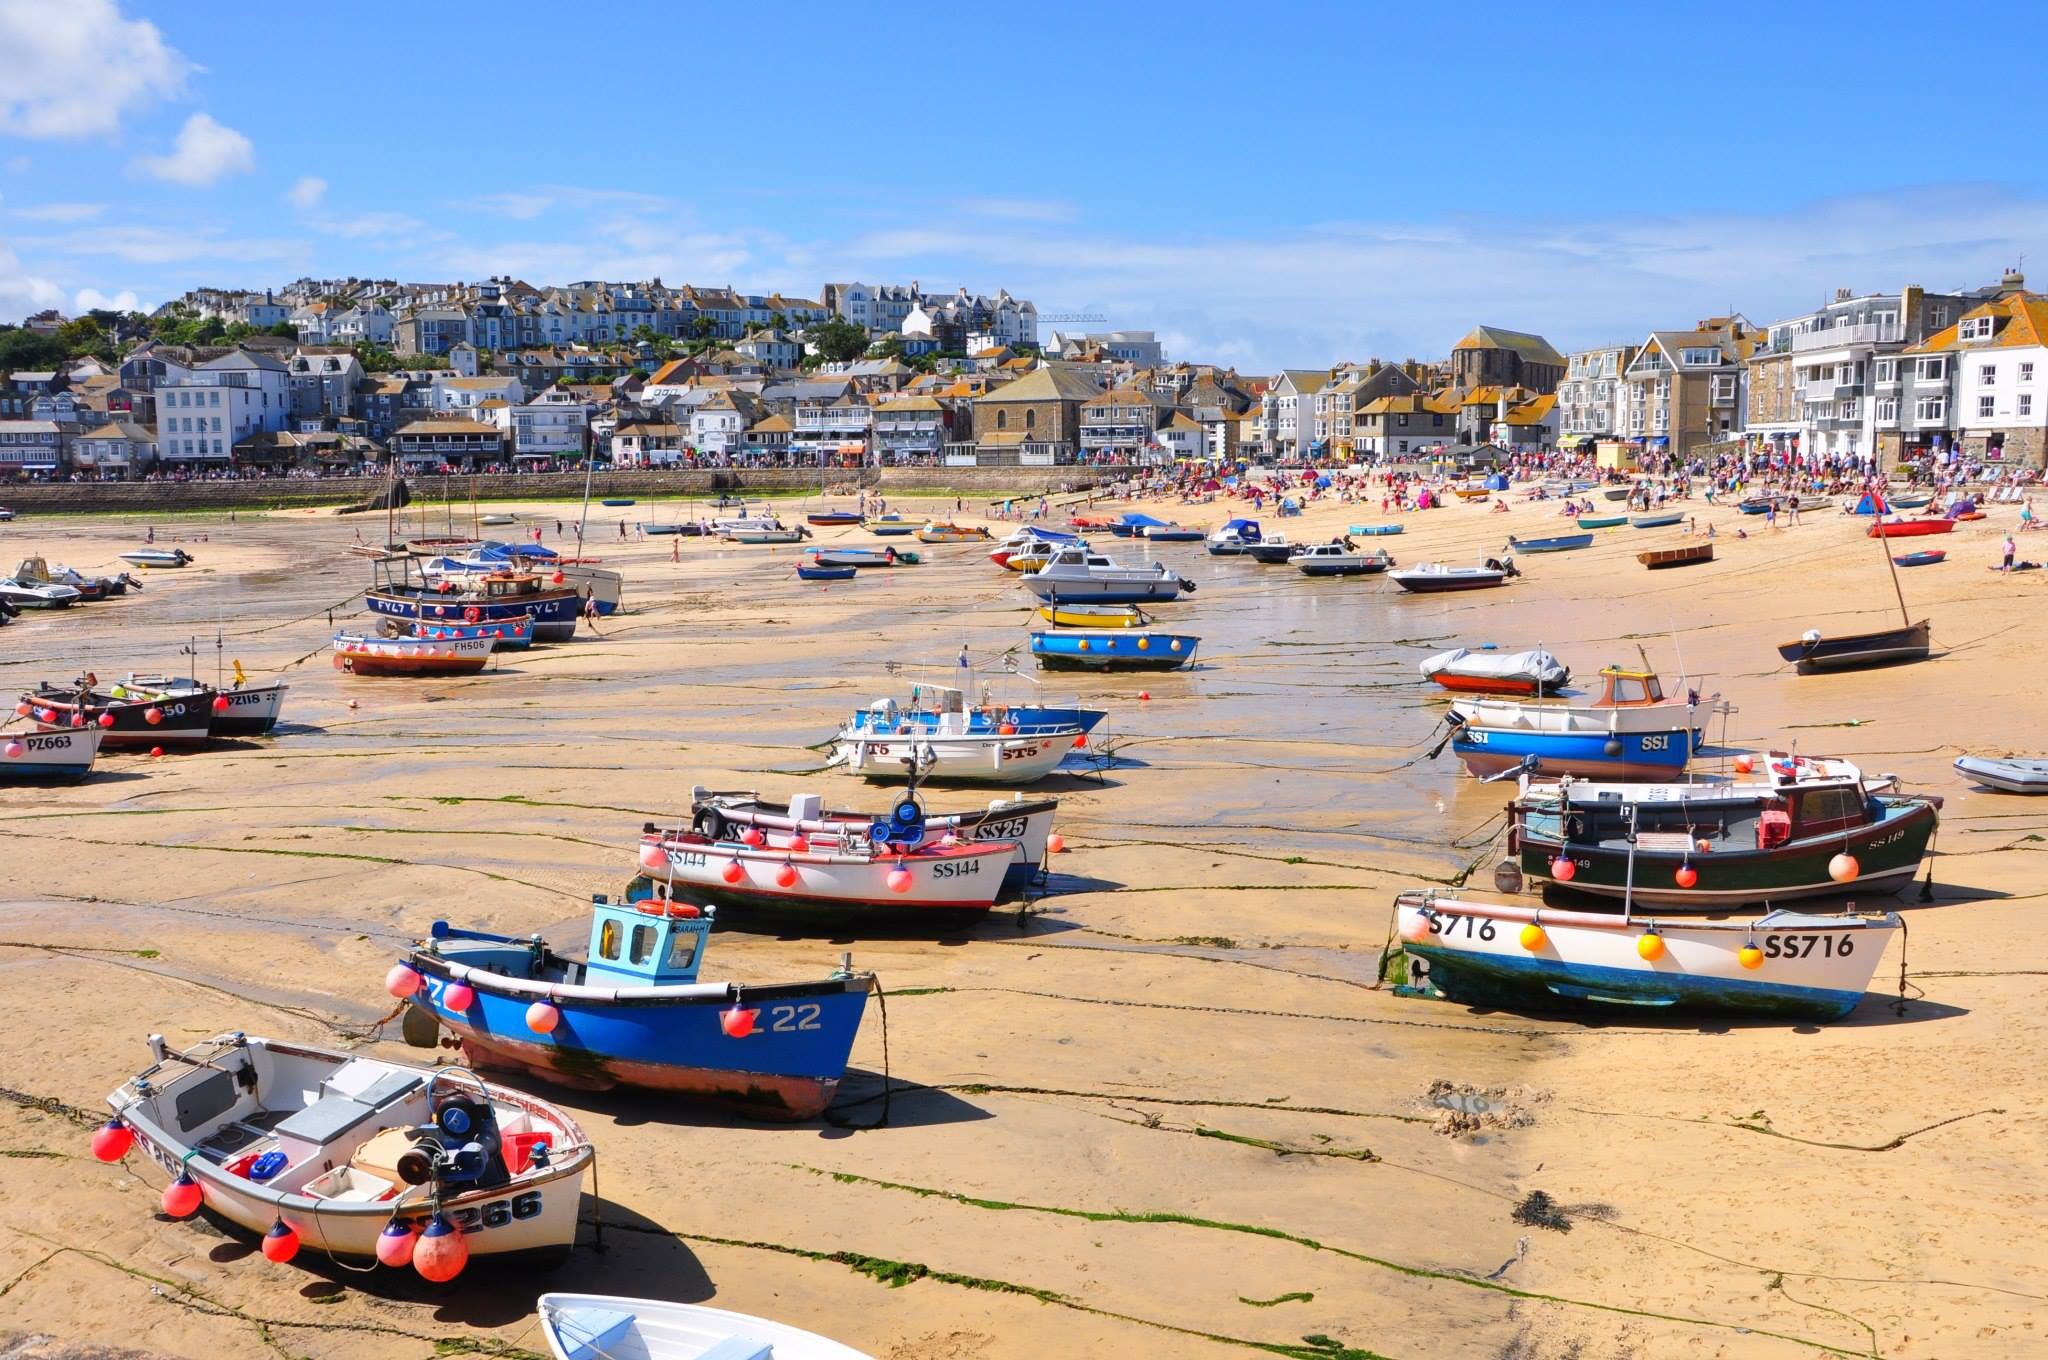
column 965, row 868
column 1804, row 946
column 1660, row 743
column 688, row 859
column 55, row 741
column 1020, row 753
column 1446, row 923
column 1009, row 829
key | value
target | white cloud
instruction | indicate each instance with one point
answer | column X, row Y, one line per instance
column 1019, row 209
column 77, row 68
column 307, row 192
column 152, row 245
column 388, row 227
column 205, row 152
column 60, row 212
column 92, row 299
column 22, row 293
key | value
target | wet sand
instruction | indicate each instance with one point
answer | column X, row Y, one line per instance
column 1165, row 1114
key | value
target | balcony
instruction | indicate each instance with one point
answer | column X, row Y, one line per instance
column 1835, row 337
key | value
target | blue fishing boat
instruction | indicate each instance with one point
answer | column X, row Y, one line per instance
column 1380, row 529
column 1630, row 732
column 1111, row 649
column 494, row 597
column 1658, row 521
column 513, row 632
column 807, row 572
column 1561, row 543
column 633, row 1012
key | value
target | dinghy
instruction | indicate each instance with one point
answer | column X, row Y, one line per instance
column 360, row 654
column 891, row 526
column 1814, row 652
column 832, row 518
column 605, row 1327
column 1113, row 649
column 806, row 572
column 497, row 519
column 617, row 502
column 1909, row 528
column 1075, row 574
column 1373, row 530
column 1170, row 533
column 757, row 537
column 1561, row 543
column 862, row 557
column 1023, row 823
column 1338, row 559
column 2006, row 774
column 1630, row 732
column 952, row 533
column 353, row 1155
column 1513, row 673
column 1925, row 558
column 1435, row 577
column 1097, row 616
column 1783, row 965
column 1662, row 559
column 1804, row 828
column 633, row 1011
column 1602, row 521
column 46, row 756
column 1657, row 521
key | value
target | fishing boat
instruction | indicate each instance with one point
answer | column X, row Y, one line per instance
column 1373, row 530
column 1233, row 538
column 1561, row 543
column 158, row 557
column 607, row 1327
column 1808, row 828
column 1030, row 540
column 1486, row 672
column 832, row 518
column 1022, row 823
column 1909, row 528
column 1815, row 651
column 490, row 597
column 1271, row 550
column 36, row 571
column 937, row 532
column 1659, row 559
column 513, row 634
column 38, row 595
column 634, row 1011
column 1339, row 559
column 862, row 557
column 1925, row 558
column 2005, row 774
column 1602, row 521
column 362, row 654
column 237, row 709
column 352, row 1155
column 756, row 537
column 886, row 869
column 1661, row 521
column 1170, row 533
column 584, row 576
column 35, row 757
column 941, row 739
column 1096, row 616
column 1074, row 573
column 1113, row 649
column 1435, row 577
column 1783, row 965
column 1630, row 732
column 808, row 572
column 139, row 717
column 891, row 526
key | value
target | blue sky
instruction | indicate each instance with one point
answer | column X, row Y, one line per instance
column 1288, row 185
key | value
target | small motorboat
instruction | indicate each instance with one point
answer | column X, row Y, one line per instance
column 1075, row 573
column 1233, row 538
column 1133, row 525
column 1783, row 965
column 35, row 757
column 832, row 518
column 499, row 519
column 34, row 595
column 1916, row 500
column 1272, row 550
column 891, row 526
column 1170, row 533
column 158, row 557
column 363, row 654
column 1630, row 732
column 807, row 572
column 1909, row 528
column 1113, row 649
column 1602, row 521
column 1690, row 555
column 1815, row 652
column 352, row 1155
column 863, row 557
column 1436, row 577
column 606, row 1327
column 633, row 1011
column 936, row 532
column 1926, row 557
column 1373, row 530
column 2006, row 774
column 940, row 738
column 1096, row 616
column 1486, row 672
column 240, row 710
column 1471, row 493
column 36, row 571
column 1657, row 521
column 1339, row 559
column 1561, row 543
column 172, row 714
column 757, row 536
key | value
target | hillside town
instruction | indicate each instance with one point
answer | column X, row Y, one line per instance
column 359, row 376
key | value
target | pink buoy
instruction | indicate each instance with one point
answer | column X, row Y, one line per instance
column 111, row 1141
column 402, row 981
column 1744, row 764
column 1563, row 870
column 652, row 858
column 1843, row 868
column 441, row 1253
column 22, row 710
column 78, row 720
column 395, row 1245
column 459, row 996
column 542, row 1017
column 900, row 880
column 733, row 873
column 737, row 1021
column 182, row 1197
column 15, row 750
column 1055, row 844
column 1417, row 929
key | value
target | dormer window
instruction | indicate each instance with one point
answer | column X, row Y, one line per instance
column 1974, row 328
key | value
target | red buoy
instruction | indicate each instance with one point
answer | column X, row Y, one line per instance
column 182, row 1196
column 737, row 1021
column 152, row 715
column 281, row 1243
column 106, row 720
column 733, row 873
column 111, row 1141
column 395, row 1244
column 441, row 1253
column 221, row 704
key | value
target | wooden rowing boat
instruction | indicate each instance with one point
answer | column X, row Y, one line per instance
column 1690, row 554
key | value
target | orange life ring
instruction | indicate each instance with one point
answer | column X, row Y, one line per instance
column 472, row 614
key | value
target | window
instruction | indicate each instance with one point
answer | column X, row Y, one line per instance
column 1987, row 374
column 1888, row 411
column 1699, row 358
column 2026, row 407
column 682, row 949
column 1930, row 409
column 643, row 942
column 1985, row 404
column 2026, row 372
column 1002, row 420
column 1931, row 370
column 1887, row 370
column 1974, row 328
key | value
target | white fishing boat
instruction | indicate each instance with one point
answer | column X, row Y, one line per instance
column 843, row 873
column 2007, row 775
column 1075, row 574
column 32, row 757
column 951, row 743
column 1781, row 965
column 353, row 1155
column 607, row 1327
column 1023, row 823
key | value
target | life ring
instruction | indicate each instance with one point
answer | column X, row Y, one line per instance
column 709, row 824
column 472, row 614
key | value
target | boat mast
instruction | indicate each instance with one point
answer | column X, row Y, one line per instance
column 1904, row 617
column 1628, row 884
column 582, row 523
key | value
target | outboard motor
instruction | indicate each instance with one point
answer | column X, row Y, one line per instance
column 461, row 1147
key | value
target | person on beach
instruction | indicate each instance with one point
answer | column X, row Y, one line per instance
column 590, row 608
column 2027, row 515
column 2011, row 550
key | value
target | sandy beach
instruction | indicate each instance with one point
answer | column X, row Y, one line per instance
column 1168, row 1111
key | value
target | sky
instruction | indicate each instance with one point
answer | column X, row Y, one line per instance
column 1288, row 185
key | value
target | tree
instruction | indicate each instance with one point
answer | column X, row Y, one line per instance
column 838, row 340
column 31, row 350
column 375, row 358
column 703, row 327
column 85, row 337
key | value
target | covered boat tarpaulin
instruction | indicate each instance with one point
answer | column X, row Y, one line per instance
column 1497, row 482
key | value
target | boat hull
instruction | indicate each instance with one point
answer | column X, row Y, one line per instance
column 554, row 612
column 1607, row 755
column 603, row 1326
column 1070, row 590
column 2006, row 776
column 184, row 720
column 961, row 881
column 508, row 634
column 1858, row 651
column 1024, row 823
column 1910, row 528
column 786, row 1068
column 1666, row 558
column 252, row 710
column 1114, row 650
column 1442, row 584
column 48, row 756
column 358, row 655
column 1563, row 543
column 992, row 759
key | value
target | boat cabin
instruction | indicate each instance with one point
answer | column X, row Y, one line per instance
column 1244, row 530
column 1736, row 817
column 1625, row 688
column 1078, row 555
column 654, row 942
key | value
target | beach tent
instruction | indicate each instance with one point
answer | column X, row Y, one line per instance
column 1869, row 505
